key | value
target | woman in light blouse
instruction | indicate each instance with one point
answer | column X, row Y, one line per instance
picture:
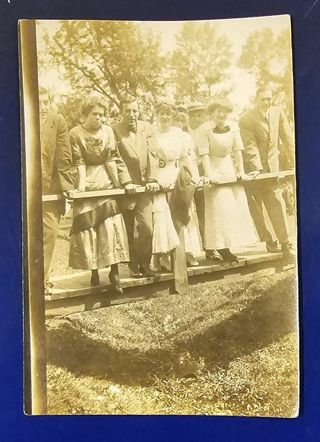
column 228, row 222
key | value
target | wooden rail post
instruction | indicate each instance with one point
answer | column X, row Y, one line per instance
column 34, row 305
column 179, row 266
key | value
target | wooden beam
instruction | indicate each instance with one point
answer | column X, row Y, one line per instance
column 34, row 308
column 214, row 274
column 142, row 189
column 78, row 284
column 179, row 266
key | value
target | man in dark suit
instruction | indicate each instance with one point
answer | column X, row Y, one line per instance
column 196, row 117
column 137, row 147
column 56, row 162
column 262, row 130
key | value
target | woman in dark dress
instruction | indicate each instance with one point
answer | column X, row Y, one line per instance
column 98, row 234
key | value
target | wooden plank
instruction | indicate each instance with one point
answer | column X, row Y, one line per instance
column 78, row 284
column 141, row 189
column 35, row 382
column 85, row 289
column 48, row 198
column 282, row 174
column 209, row 268
column 179, row 265
column 92, row 301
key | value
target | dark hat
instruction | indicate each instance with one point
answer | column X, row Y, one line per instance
column 224, row 103
column 164, row 105
column 181, row 108
column 194, row 107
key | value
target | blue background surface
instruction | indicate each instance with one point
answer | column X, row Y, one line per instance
column 14, row 426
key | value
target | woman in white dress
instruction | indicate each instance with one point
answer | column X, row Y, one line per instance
column 191, row 232
column 228, row 222
column 174, row 147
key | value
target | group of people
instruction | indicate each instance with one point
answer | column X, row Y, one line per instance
column 199, row 172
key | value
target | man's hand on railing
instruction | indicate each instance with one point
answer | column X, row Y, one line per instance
column 152, row 187
column 252, row 175
column 81, row 188
column 131, row 188
column 202, row 182
column 244, row 177
column 68, row 194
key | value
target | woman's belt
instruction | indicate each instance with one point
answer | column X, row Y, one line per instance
column 164, row 163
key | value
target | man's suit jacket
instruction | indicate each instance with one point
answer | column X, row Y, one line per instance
column 261, row 138
column 138, row 151
column 56, row 157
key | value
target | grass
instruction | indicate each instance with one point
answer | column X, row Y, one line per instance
column 228, row 350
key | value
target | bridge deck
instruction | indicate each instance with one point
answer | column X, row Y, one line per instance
column 74, row 293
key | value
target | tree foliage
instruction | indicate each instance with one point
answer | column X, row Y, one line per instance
column 118, row 57
column 200, row 60
column 109, row 57
column 268, row 57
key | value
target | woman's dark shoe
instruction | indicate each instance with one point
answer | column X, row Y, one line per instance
column 214, row 255
column 272, row 246
column 94, row 277
column 227, row 256
column 146, row 272
column 115, row 280
column 286, row 249
column 134, row 271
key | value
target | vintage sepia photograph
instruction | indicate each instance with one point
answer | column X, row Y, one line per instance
column 160, row 228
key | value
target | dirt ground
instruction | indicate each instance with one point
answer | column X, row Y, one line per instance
column 229, row 350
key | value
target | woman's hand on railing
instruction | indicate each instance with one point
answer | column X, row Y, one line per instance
column 153, row 187
column 166, row 183
column 165, row 186
column 214, row 179
column 131, row 188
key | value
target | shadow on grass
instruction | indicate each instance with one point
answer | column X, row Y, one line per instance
column 266, row 320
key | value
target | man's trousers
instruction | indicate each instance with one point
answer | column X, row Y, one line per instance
column 269, row 193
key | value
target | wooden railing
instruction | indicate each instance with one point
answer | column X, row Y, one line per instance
column 115, row 192
column 179, row 266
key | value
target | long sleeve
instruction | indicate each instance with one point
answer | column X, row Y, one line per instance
column 152, row 157
column 237, row 140
column 63, row 155
column 237, row 148
column 189, row 156
column 114, row 156
column 202, row 143
column 251, row 152
column 287, row 139
column 77, row 155
column 47, row 155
